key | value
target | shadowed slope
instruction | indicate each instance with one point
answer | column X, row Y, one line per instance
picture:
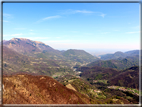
column 127, row 78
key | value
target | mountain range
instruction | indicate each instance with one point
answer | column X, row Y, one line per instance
column 81, row 78
column 120, row 63
column 119, row 54
column 24, row 55
column 41, row 50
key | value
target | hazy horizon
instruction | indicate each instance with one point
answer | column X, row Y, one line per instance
column 95, row 52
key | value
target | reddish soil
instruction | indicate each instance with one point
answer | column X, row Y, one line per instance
column 31, row 89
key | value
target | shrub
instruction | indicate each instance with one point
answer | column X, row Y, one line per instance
column 118, row 97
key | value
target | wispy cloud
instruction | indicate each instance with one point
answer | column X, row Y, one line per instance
column 31, row 30
column 48, row 18
column 7, row 15
column 103, row 15
column 83, row 11
column 70, row 11
column 51, row 17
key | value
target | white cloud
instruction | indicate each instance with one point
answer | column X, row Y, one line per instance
column 103, row 15
column 70, row 11
column 7, row 15
column 31, row 30
column 51, row 17
column 48, row 18
column 83, row 11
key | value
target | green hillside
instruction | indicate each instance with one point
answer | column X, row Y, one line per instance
column 119, row 64
column 79, row 56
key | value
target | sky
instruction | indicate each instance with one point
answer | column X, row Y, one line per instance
column 94, row 27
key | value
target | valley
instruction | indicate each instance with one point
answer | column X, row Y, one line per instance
column 35, row 73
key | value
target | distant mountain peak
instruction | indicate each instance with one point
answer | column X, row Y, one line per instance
column 118, row 52
column 25, row 39
column 29, row 47
column 38, row 42
column 16, row 39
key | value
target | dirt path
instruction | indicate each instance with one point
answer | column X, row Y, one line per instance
column 70, row 87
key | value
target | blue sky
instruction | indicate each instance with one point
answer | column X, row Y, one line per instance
column 88, row 26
